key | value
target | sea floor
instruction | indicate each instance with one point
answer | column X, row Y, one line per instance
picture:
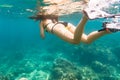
column 61, row 61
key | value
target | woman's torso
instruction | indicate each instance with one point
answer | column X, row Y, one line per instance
column 49, row 25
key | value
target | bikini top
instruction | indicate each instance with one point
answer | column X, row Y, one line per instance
column 64, row 23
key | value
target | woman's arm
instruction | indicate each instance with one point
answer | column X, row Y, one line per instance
column 42, row 34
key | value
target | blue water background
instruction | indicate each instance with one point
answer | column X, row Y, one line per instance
column 20, row 43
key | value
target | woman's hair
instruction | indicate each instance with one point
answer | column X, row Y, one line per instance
column 42, row 17
column 43, row 14
column 53, row 11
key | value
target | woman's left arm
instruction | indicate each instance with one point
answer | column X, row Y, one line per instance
column 42, row 34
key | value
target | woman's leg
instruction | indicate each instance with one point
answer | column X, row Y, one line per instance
column 76, row 35
column 80, row 36
column 79, row 30
column 93, row 36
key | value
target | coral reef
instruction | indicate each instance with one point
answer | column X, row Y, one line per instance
column 65, row 70
column 105, row 71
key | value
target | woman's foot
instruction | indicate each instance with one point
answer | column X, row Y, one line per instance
column 111, row 27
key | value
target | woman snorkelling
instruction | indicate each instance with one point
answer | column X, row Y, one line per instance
column 73, row 34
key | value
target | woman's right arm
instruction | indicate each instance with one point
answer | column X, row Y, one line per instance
column 42, row 34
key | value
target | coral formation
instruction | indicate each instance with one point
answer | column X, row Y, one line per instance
column 65, row 70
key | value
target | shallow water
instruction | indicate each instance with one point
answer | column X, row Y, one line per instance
column 23, row 54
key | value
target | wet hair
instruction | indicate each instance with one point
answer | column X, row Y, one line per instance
column 41, row 16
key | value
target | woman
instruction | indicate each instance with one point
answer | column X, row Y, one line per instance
column 65, row 30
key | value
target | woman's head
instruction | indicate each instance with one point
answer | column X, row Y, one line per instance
column 52, row 11
column 47, row 12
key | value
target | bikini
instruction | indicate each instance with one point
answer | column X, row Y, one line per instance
column 64, row 23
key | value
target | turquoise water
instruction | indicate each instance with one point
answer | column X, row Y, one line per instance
column 25, row 56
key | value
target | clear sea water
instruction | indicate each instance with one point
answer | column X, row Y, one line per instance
column 25, row 56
